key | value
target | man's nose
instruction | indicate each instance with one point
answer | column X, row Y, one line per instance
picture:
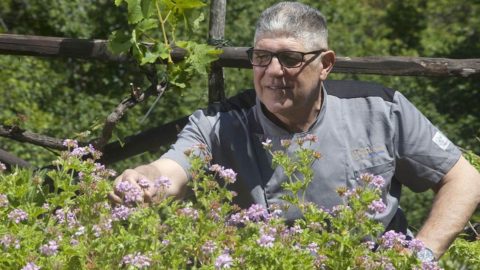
column 275, row 67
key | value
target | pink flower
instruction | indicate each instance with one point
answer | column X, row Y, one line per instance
column 223, row 261
column 137, row 260
column 228, row 175
column 209, row 247
column 257, row 212
column 378, row 181
column 70, row 143
column 121, row 212
column 266, row 240
column 49, row 249
column 162, row 182
column 30, row 266
column 18, row 215
column 377, row 206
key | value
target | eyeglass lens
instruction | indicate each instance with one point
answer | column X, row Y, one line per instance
column 287, row 59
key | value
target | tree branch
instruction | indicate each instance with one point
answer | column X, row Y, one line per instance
column 136, row 96
column 11, row 160
column 20, row 135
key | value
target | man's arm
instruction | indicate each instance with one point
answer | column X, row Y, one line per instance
column 457, row 196
column 161, row 167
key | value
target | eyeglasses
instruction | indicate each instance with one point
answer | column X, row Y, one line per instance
column 289, row 59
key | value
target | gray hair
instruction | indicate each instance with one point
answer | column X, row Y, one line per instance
column 293, row 19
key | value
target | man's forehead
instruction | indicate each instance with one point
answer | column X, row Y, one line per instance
column 276, row 43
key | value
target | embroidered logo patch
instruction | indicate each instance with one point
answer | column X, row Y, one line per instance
column 440, row 140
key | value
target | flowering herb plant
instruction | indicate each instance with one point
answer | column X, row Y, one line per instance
column 61, row 219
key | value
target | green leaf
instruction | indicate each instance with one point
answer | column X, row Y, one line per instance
column 199, row 55
column 196, row 23
column 147, row 24
column 149, row 57
column 134, row 11
column 119, row 42
column 189, row 4
column 147, row 8
column 118, row 2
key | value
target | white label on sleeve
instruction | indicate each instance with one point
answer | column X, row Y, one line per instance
column 440, row 140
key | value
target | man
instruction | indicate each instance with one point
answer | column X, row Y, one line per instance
column 361, row 127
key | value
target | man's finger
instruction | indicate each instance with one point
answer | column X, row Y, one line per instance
column 114, row 198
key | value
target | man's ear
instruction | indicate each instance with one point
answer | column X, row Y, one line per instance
column 328, row 60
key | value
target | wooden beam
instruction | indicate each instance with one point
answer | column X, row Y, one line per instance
column 216, row 82
column 236, row 57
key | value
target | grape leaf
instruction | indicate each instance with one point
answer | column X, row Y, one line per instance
column 134, row 11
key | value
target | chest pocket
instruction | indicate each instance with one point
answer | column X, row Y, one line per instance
column 386, row 170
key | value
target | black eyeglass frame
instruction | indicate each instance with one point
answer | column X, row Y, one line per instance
column 251, row 50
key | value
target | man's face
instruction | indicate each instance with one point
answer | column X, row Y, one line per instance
column 288, row 92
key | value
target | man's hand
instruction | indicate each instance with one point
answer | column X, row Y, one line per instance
column 149, row 183
column 133, row 187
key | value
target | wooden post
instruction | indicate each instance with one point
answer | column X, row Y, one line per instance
column 216, row 32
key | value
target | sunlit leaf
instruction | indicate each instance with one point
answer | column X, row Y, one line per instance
column 147, row 24
column 134, row 11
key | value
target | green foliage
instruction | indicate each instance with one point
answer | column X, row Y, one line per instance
column 154, row 36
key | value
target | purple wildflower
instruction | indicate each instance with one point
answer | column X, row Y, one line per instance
column 143, row 183
column 189, row 212
column 104, row 226
column 162, row 182
column 30, row 266
column 223, row 261
column 3, row 200
column 377, row 206
column 121, row 212
column 391, row 239
column 79, row 152
column 68, row 217
column 17, row 215
column 266, row 240
column 49, row 249
column 70, row 143
column 209, row 247
column 228, row 175
column 165, row 242
column 312, row 248
column 296, row 229
column 415, row 245
column 131, row 193
column 9, row 240
column 216, row 168
column 257, row 212
column 238, row 219
column 137, row 260
column 378, row 181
